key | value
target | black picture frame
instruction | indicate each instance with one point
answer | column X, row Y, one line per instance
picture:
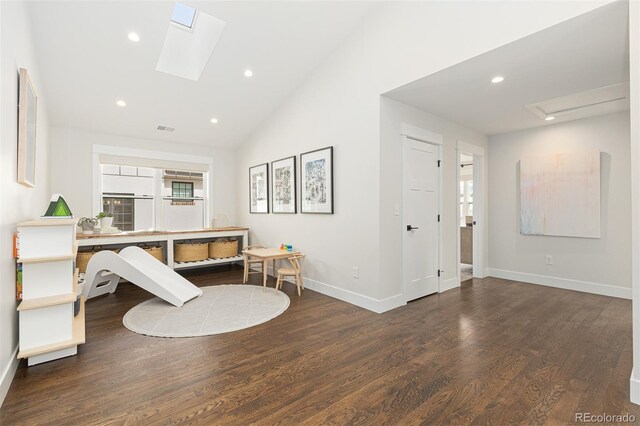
column 316, row 192
column 259, row 193
column 291, row 207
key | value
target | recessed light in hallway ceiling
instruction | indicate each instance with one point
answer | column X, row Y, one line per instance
column 133, row 37
column 121, row 103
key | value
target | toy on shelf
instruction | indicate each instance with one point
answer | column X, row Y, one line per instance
column 286, row 247
column 58, row 208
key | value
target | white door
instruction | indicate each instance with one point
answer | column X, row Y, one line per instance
column 420, row 226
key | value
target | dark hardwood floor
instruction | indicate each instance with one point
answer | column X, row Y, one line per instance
column 491, row 352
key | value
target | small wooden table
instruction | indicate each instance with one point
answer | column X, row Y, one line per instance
column 267, row 254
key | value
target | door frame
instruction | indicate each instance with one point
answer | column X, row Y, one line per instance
column 479, row 175
column 425, row 136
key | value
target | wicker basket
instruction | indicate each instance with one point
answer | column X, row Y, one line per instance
column 155, row 251
column 223, row 248
column 82, row 260
column 83, row 257
column 190, row 252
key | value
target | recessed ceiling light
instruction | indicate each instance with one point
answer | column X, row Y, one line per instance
column 497, row 79
column 214, row 120
column 121, row 103
column 549, row 118
column 134, row 37
column 248, row 73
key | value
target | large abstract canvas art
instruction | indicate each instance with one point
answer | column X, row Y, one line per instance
column 560, row 194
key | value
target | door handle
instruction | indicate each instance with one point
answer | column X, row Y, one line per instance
column 411, row 228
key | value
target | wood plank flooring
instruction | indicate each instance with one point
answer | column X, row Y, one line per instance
column 491, row 352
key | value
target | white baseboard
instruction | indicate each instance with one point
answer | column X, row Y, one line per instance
column 564, row 283
column 634, row 388
column 449, row 284
column 375, row 305
column 7, row 375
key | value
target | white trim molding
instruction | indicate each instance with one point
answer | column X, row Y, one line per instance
column 470, row 148
column 634, row 388
column 421, row 135
column 120, row 151
column 369, row 303
column 375, row 305
column 7, row 375
column 449, row 284
column 563, row 283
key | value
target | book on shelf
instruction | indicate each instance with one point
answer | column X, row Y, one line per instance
column 18, row 281
column 16, row 245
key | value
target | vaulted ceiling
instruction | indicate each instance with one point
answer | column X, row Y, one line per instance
column 87, row 63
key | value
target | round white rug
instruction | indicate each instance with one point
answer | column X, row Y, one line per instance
column 221, row 309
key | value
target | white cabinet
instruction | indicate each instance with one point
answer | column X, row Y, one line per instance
column 47, row 326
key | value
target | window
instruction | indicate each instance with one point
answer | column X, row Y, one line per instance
column 182, row 189
column 122, row 207
column 144, row 198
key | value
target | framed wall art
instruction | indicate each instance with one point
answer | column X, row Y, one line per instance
column 259, row 189
column 283, row 182
column 316, row 175
column 27, row 115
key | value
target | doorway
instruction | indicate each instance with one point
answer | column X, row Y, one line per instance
column 421, row 217
column 465, row 184
column 471, row 204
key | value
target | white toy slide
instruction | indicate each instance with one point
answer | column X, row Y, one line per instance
column 105, row 269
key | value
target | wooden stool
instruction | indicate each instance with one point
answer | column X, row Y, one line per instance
column 294, row 271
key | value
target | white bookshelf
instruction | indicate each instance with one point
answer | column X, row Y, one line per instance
column 48, row 329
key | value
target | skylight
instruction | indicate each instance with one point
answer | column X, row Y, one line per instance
column 183, row 15
column 189, row 44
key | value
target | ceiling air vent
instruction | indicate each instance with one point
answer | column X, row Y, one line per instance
column 166, row 129
column 602, row 100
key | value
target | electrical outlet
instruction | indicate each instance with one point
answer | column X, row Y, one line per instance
column 396, row 209
column 356, row 272
column 548, row 259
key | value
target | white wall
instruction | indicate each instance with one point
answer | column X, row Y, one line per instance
column 393, row 114
column 18, row 202
column 339, row 105
column 634, row 71
column 70, row 146
column 592, row 265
